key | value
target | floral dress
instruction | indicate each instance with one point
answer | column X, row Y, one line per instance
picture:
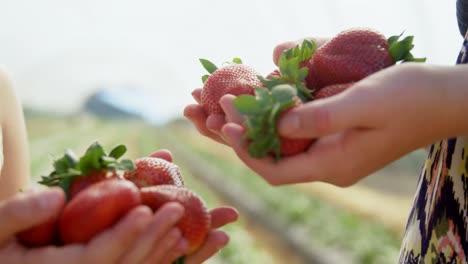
column 436, row 231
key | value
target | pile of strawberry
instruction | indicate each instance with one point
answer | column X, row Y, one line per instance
column 304, row 73
column 101, row 189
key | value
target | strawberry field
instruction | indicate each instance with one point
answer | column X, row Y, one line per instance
column 277, row 224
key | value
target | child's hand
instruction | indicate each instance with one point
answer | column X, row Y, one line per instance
column 123, row 242
column 373, row 123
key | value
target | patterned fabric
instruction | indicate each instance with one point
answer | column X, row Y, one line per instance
column 462, row 16
column 436, row 231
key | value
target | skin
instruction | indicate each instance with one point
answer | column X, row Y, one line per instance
column 140, row 237
column 376, row 121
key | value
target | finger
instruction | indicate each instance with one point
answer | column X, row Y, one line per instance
column 215, row 240
column 168, row 249
column 278, row 50
column 196, row 94
column 27, row 210
column 222, row 216
column 110, row 246
column 70, row 254
column 327, row 116
column 232, row 115
column 162, row 154
column 215, row 122
column 359, row 152
column 155, row 234
column 275, row 173
column 198, row 117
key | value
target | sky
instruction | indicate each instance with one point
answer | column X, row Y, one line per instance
column 58, row 52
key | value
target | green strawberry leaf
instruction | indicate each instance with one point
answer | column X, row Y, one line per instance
column 246, row 104
column 260, row 115
column 95, row 159
column 118, row 151
column 204, row 78
column 237, row 61
column 208, row 65
column 126, row 165
column 400, row 50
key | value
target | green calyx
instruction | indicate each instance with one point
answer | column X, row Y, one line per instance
column 261, row 113
column 95, row 159
column 291, row 72
column 400, row 50
column 211, row 67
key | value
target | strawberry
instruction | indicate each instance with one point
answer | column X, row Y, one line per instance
column 356, row 53
column 261, row 114
column 293, row 69
column 235, row 78
column 196, row 221
column 74, row 175
column 40, row 235
column 97, row 208
column 154, row 171
column 331, row 90
column 82, row 182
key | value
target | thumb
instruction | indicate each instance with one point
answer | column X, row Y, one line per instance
column 324, row 117
column 26, row 210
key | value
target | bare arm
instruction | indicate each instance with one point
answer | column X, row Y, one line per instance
column 15, row 172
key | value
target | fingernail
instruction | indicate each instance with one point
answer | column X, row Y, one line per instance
column 49, row 199
column 290, row 123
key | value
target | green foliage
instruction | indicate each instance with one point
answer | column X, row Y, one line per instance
column 261, row 113
column 95, row 159
column 400, row 50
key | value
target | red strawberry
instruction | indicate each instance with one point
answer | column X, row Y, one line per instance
column 235, row 79
column 154, row 171
column 195, row 222
column 97, row 208
column 290, row 146
column 354, row 54
column 41, row 235
column 312, row 80
column 82, row 182
column 331, row 90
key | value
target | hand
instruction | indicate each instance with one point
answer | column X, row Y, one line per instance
column 373, row 123
column 121, row 243
column 210, row 126
column 216, row 239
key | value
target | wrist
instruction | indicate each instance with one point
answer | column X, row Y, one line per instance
column 449, row 86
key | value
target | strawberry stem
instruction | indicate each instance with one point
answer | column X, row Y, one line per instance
column 400, row 50
column 260, row 114
column 291, row 72
column 95, row 159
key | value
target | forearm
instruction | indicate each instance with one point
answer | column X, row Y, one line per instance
column 451, row 86
column 15, row 172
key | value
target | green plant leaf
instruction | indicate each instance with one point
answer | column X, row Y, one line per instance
column 208, row 65
column 246, row 104
column 118, row 151
column 237, row 61
column 204, row 78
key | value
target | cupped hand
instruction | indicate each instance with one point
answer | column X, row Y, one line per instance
column 123, row 243
column 216, row 239
column 373, row 123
